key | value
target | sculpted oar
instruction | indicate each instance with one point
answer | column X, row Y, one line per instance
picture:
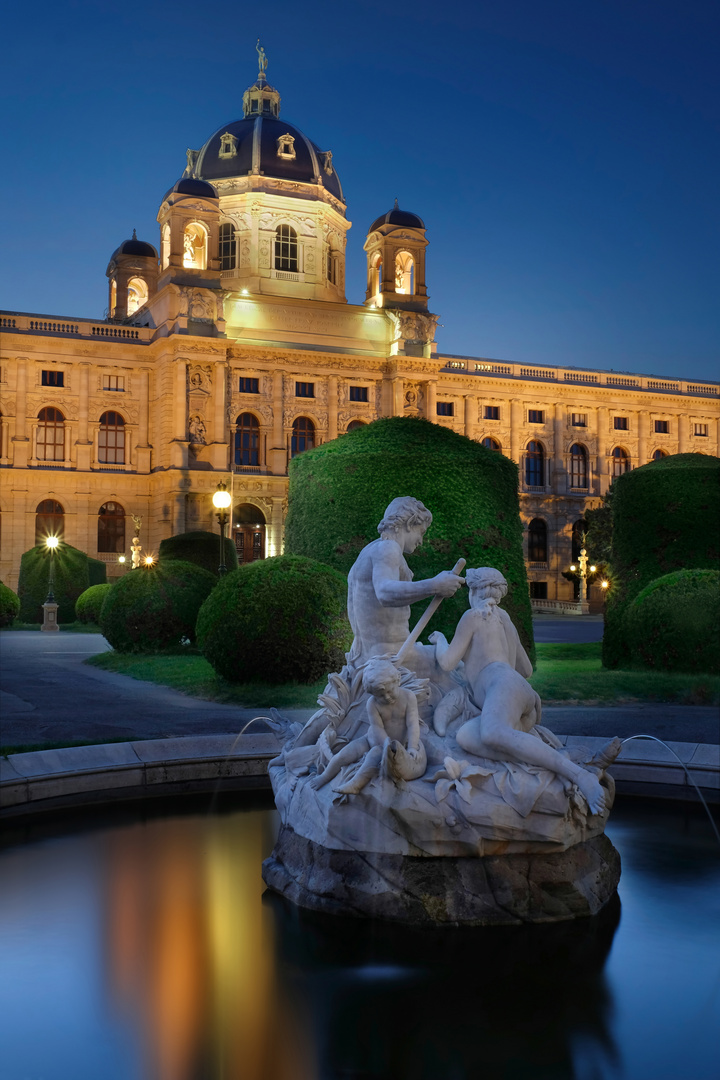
column 422, row 622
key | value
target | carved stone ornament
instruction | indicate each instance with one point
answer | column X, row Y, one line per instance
column 416, row 328
column 199, row 378
column 197, row 430
column 414, row 399
column 201, row 305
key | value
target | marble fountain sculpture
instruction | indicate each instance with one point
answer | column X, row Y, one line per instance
column 425, row 789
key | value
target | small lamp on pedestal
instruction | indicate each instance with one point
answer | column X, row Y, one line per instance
column 50, row 607
column 221, row 501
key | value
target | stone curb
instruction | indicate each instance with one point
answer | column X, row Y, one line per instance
column 52, row 779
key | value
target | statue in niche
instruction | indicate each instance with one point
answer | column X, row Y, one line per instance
column 197, row 431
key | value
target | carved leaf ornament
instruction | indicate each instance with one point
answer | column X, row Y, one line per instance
column 458, row 775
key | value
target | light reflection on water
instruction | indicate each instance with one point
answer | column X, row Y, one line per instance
column 143, row 948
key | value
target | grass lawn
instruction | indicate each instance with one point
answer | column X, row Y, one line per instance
column 565, row 675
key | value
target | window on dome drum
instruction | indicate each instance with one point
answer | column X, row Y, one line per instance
column 536, row 416
column 538, row 590
column 700, row 429
column 659, row 454
column 358, row 393
column 111, row 439
column 113, row 298
column 331, row 267
column 445, row 408
column 620, row 423
column 53, row 378
column 286, row 249
column 578, row 466
column 286, row 147
column 621, row 462
column 111, row 528
column 355, row 424
column 662, row 426
column 537, row 541
column 534, row 465
column 404, row 273
column 491, row 412
column 114, row 382
column 137, row 294
column 226, row 248
column 50, row 435
column 165, row 246
column 228, row 145
column 303, row 436
column 253, row 106
column 491, row 444
column 248, row 385
column 579, row 419
column 247, row 440
column 49, row 520
column 304, row 389
column 195, row 246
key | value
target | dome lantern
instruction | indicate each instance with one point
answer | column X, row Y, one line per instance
column 132, row 273
column 395, row 249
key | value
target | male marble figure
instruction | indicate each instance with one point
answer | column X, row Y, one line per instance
column 381, row 588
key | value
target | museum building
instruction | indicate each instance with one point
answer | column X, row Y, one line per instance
column 234, row 349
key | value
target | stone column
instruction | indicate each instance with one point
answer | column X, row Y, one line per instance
column 683, row 433
column 180, row 419
column 470, row 415
column 398, row 398
column 431, row 400
column 602, row 464
column 275, row 530
column 143, row 449
column 278, row 451
column 643, row 434
column 84, row 444
column 21, row 447
column 515, row 429
column 332, row 413
column 559, row 479
column 219, row 451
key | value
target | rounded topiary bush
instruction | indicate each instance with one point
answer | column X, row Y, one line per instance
column 73, row 573
column 276, row 620
column 89, row 604
column 199, row 547
column 666, row 517
column 674, row 623
column 9, row 605
column 156, row 607
column 339, row 491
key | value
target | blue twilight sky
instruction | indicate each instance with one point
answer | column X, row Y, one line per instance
column 563, row 153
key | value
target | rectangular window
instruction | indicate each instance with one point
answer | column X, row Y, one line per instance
column 538, row 590
column 114, row 382
column 700, row 429
column 445, row 408
column 579, row 419
column 358, row 393
column 304, row 389
column 53, row 378
column 248, row 385
column 621, row 423
column 536, row 416
column 492, row 412
column 662, row 426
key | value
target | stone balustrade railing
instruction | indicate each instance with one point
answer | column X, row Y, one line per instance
column 81, row 328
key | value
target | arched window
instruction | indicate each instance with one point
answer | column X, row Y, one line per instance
column 111, row 439
column 137, row 294
column 195, row 246
column 286, row 249
column 303, row 436
column 537, row 541
column 165, row 246
column 51, row 435
column 404, row 273
column 659, row 455
column 111, row 528
column 49, row 520
column 247, row 440
column 578, row 466
column 491, row 444
column 534, row 464
column 578, row 535
column 227, row 246
column 355, row 424
column 621, row 462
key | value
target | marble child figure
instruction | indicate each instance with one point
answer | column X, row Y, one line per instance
column 392, row 743
column 496, row 669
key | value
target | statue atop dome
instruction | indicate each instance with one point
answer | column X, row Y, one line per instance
column 262, row 58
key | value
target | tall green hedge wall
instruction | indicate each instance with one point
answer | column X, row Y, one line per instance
column 666, row 517
column 201, row 548
column 339, row 491
column 74, row 573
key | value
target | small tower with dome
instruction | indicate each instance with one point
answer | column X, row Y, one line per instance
column 132, row 277
column 395, row 249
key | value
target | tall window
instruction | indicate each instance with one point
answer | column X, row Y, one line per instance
column 51, row 435
column 578, row 466
column 111, row 528
column 247, row 440
column 111, row 439
column 227, row 246
column 534, row 464
column 492, row 444
column 331, row 267
column 165, row 246
column 537, row 541
column 286, row 249
column 621, row 462
column 404, row 267
column 49, row 520
column 137, row 294
column 195, row 246
column 303, row 436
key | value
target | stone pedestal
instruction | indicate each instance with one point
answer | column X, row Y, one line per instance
column 50, row 622
column 450, row 891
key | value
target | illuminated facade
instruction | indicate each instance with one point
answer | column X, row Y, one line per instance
column 235, row 348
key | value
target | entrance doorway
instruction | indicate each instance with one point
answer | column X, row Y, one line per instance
column 249, row 529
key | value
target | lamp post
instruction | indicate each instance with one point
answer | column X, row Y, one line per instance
column 221, row 501
column 50, row 607
column 582, row 563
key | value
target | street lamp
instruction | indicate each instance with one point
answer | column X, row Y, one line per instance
column 50, row 607
column 221, row 501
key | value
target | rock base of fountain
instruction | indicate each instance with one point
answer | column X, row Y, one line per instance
column 445, row 891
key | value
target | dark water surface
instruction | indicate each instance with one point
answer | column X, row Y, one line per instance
column 140, row 947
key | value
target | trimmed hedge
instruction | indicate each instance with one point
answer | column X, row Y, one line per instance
column 9, row 605
column 74, row 573
column 674, row 623
column 339, row 491
column 276, row 620
column 155, row 607
column 89, row 604
column 201, row 548
column 666, row 517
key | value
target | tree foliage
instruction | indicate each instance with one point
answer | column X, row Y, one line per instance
column 9, row 605
column 199, row 547
column 74, row 572
column 89, row 604
column 674, row 623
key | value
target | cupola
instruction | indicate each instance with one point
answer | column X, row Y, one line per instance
column 132, row 273
column 395, row 249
